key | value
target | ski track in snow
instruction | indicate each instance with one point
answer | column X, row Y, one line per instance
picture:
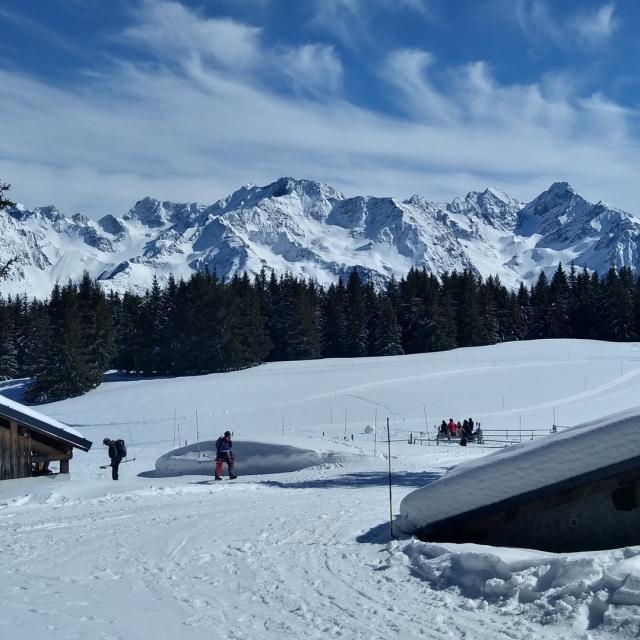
column 298, row 572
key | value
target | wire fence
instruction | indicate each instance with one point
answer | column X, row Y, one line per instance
column 488, row 436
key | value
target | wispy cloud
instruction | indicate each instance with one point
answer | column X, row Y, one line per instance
column 407, row 70
column 349, row 20
column 543, row 23
column 312, row 67
column 173, row 30
column 596, row 26
column 179, row 35
column 197, row 124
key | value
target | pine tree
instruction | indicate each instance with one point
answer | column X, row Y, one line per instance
column 616, row 305
column 5, row 203
column 446, row 329
column 468, row 321
column 356, row 317
column 559, row 321
column 65, row 373
column 8, row 343
column 334, row 325
column 540, row 308
column 388, row 333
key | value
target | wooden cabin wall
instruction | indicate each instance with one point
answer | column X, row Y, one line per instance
column 15, row 452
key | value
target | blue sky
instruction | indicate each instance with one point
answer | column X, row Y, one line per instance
column 105, row 102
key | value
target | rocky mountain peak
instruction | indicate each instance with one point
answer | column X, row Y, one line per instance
column 311, row 230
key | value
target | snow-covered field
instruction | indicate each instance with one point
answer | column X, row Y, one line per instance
column 282, row 553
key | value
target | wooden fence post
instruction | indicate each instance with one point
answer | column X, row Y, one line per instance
column 5, row 457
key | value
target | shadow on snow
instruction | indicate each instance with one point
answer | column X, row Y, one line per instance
column 361, row 479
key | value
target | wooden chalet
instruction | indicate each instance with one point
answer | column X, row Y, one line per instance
column 30, row 441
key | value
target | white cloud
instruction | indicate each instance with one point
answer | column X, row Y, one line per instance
column 171, row 29
column 179, row 35
column 193, row 130
column 542, row 24
column 349, row 20
column 312, row 67
column 407, row 69
column 597, row 26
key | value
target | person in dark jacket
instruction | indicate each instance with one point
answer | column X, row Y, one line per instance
column 224, row 454
column 117, row 451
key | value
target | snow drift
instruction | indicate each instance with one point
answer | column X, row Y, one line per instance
column 252, row 458
column 591, row 590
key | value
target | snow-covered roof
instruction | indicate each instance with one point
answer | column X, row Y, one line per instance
column 40, row 422
column 532, row 470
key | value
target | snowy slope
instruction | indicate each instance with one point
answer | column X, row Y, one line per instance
column 305, row 554
column 311, row 230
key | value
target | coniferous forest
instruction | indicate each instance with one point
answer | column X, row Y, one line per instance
column 205, row 324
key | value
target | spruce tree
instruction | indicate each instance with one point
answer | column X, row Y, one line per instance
column 8, row 343
column 65, row 373
column 334, row 325
column 616, row 306
column 559, row 321
column 387, row 330
column 469, row 322
column 356, row 317
column 540, row 308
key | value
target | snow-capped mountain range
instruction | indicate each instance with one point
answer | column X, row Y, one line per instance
column 312, row 230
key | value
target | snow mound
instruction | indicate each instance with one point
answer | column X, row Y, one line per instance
column 252, row 458
column 590, row 590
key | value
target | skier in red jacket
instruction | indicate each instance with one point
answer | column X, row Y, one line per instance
column 224, row 454
column 452, row 428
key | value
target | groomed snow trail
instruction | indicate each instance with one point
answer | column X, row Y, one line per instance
column 245, row 560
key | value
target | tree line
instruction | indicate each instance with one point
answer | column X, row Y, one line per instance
column 207, row 324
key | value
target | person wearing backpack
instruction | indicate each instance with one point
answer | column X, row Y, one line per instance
column 117, row 451
column 224, row 454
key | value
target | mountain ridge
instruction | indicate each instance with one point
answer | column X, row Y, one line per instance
column 312, row 230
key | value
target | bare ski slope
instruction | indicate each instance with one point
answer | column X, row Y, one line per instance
column 305, row 554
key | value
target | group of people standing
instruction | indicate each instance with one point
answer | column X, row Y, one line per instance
column 452, row 429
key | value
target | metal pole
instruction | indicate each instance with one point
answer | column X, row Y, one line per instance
column 520, row 427
column 390, row 496
column 375, row 432
column 345, row 424
column 197, row 433
column 426, row 422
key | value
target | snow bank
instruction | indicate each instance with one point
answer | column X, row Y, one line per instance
column 600, row 589
column 584, row 451
column 252, row 458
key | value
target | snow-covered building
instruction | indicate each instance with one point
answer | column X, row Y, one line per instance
column 30, row 441
column 576, row 490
